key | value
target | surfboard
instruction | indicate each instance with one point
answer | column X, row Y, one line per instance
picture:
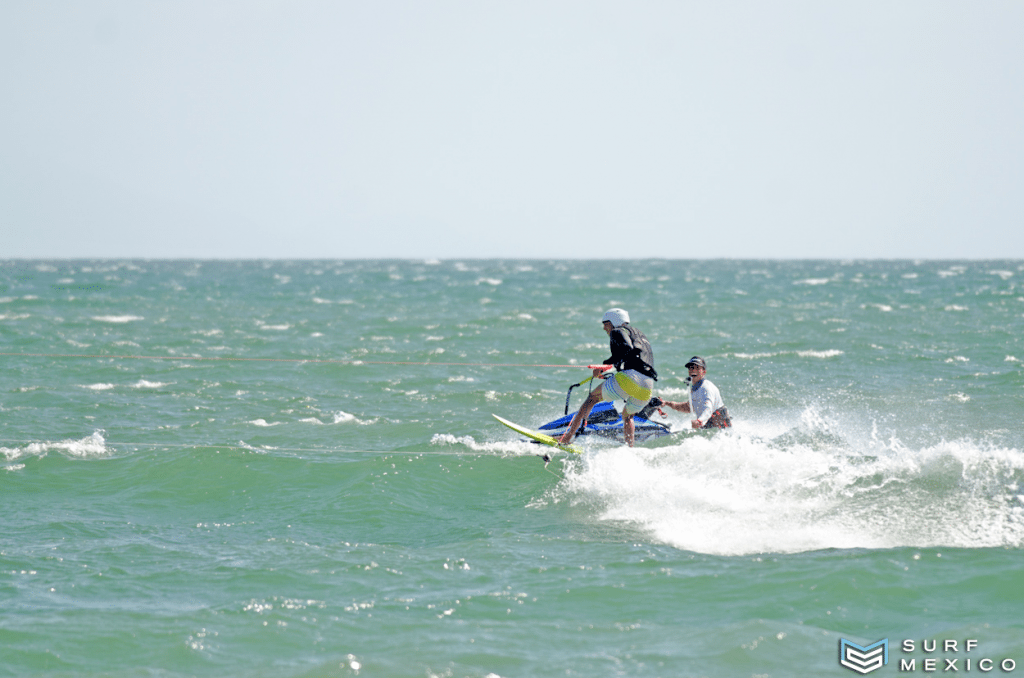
column 540, row 437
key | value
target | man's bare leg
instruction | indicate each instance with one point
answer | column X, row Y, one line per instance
column 577, row 419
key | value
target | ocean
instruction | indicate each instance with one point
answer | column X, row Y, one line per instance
column 290, row 468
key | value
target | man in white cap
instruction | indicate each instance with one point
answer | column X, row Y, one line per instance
column 633, row 381
column 707, row 401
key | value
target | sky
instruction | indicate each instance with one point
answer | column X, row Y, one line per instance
column 485, row 129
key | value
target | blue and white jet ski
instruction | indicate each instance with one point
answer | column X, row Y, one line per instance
column 604, row 420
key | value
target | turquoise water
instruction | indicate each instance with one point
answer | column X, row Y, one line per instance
column 290, row 469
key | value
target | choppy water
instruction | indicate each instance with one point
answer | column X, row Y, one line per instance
column 283, row 487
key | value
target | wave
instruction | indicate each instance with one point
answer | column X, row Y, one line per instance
column 516, row 447
column 339, row 417
column 117, row 319
column 342, row 417
column 809, row 488
column 142, row 383
column 826, row 353
column 83, row 448
column 831, row 353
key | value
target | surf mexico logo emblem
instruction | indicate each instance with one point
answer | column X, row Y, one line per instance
column 863, row 659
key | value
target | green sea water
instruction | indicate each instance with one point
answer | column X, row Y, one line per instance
column 290, row 469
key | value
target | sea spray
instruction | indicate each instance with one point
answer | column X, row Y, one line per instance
column 737, row 493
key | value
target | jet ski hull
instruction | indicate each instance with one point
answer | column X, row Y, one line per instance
column 605, row 421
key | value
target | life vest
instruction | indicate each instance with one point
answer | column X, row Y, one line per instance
column 638, row 354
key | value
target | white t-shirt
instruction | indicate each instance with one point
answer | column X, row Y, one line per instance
column 706, row 399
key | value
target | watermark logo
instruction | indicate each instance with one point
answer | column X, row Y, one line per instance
column 863, row 659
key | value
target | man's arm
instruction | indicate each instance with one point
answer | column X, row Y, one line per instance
column 678, row 407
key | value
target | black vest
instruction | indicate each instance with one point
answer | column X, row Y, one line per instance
column 631, row 351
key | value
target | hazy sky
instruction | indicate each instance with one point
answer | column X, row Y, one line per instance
column 482, row 128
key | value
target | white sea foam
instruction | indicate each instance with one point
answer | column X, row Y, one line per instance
column 810, row 353
column 515, row 447
column 812, row 281
column 142, row 383
column 117, row 319
column 90, row 446
column 672, row 391
column 98, row 387
column 264, row 422
column 742, row 492
column 831, row 353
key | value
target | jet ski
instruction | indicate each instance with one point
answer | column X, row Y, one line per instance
column 604, row 420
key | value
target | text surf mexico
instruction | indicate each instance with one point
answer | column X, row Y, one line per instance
column 950, row 659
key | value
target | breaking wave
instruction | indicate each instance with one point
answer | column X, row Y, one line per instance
column 84, row 448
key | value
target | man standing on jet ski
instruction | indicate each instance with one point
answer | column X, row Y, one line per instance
column 632, row 383
column 707, row 401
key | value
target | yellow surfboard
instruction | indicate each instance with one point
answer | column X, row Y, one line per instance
column 540, row 437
